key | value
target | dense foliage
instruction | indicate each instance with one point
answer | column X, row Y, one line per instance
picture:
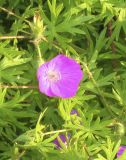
column 93, row 32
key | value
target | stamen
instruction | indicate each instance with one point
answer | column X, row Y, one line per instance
column 53, row 76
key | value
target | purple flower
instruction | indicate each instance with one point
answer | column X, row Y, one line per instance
column 74, row 111
column 63, row 139
column 121, row 150
column 60, row 77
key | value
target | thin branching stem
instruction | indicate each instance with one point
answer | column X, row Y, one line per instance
column 21, row 87
column 11, row 13
column 13, row 37
column 85, row 148
column 39, row 53
column 102, row 98
column 53, row 132
column 113, row 47
column 21, row 155
column 43, row 134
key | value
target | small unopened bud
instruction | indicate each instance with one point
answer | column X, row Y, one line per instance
column 120, row 129
column 37, row 28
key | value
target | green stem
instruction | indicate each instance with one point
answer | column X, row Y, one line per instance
column 102, row 98
column 41, row 61
column 11, row 13
column 53, row 132
column 39, row 52
column 86, row 150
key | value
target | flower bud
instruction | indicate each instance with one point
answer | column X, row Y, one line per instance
column 37, row 28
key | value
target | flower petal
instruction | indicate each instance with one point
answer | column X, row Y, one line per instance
column 68, row 68
column 64, row 88
column 121, row 150
column 45, row 88
column 74, row 111
column 44, row 85
column 41, row 72
column 70, row 75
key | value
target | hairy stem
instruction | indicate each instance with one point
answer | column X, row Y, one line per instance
column 11, row 13
column 22, row 87
column 102, row 98
column 13, row 37
column 114, row 62
column 39, row 53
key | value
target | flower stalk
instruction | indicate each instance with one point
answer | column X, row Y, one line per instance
column 102, row 98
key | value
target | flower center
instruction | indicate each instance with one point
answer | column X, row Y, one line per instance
column 53, row 76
